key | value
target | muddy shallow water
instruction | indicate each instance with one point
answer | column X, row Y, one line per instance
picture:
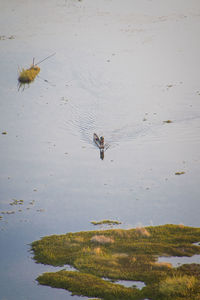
column 121, row 68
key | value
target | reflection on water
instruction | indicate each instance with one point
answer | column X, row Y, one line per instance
column 101, row 154
column 83, row 122
column 128, row 283
column 177, row 261
column 109, row 123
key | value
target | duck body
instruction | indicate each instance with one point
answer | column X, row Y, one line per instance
column 99, row 141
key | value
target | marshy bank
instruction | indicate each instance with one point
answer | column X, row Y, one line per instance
column 118, row 254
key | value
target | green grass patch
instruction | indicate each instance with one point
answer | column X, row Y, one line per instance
column 105, row 222
column 122, row 254
column 87, row 285
column 178, row 286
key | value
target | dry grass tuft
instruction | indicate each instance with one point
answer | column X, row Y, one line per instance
column 120, row 255
column 162, row 264
column 101, row 239
column 181, row 225
column 180, row 173
column 142, row 231
column 79, row 239
column 177, row 286
column 122, row 233
column 28, row 75
column 97, row 250
column 167, row 121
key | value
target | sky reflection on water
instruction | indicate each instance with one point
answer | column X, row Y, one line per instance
column 119, row 70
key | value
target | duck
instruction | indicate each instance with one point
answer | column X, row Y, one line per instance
column 99, row 141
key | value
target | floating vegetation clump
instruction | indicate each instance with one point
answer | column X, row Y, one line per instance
column 28, row 75
column 167, row 121
column 180, row 173
column 9, row 212
column 16, row 202
column 3, row 37
column 119, row 254
column 19, row 206
column 105, row 222
column 40, row 210
column 32, row 202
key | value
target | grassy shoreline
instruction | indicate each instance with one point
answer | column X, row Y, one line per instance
column 120, row 254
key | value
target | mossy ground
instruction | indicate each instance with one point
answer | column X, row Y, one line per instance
column 126, row 255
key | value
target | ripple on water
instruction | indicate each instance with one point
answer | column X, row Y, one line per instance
column 83, row 122
column 120, row 121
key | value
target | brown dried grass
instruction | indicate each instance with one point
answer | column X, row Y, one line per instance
column 101, row 239
column 142, row 231
column 28, row 75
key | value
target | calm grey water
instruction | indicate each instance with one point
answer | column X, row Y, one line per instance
column 121, row 68
column 178, row 261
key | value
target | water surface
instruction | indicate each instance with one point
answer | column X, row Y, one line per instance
column 120, row 70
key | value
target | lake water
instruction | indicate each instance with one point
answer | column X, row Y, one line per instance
column 177, row 261
column 121, row 68
column 128, row 283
